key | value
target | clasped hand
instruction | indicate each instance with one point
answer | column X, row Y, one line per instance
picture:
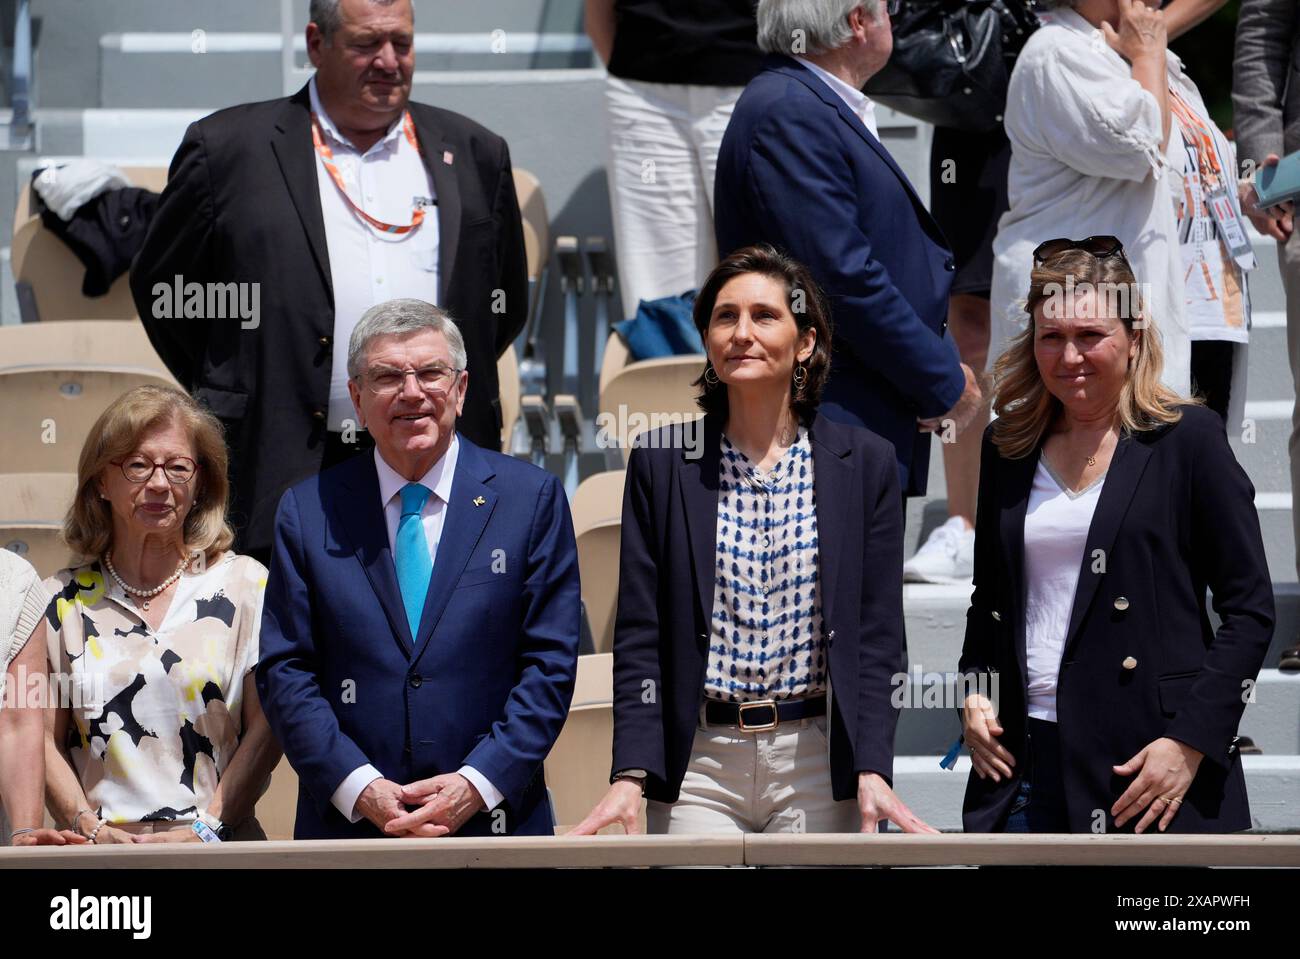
column 446, row 803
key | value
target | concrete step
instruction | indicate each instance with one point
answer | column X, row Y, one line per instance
column 215, row 69
column 928, row 722
column 935, row 795
column 1266, row 292
column 1260, row 445
column 1269, row 373
column 935, row 621
column 68, row 33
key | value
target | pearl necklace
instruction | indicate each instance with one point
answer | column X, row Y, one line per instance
column 144, row 594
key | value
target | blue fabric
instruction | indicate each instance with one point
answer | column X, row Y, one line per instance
column 799, row 170
column 484, row 681
column 662, row 327
column 414, row 568
column 1039, row 805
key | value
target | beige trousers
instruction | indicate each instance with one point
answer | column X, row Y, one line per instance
column 740, row 782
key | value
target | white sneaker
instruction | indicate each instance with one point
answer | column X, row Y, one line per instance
column 947, row 556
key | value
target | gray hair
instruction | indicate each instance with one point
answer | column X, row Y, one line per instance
column 397, row 317
column 325, row 14
column 807, row 26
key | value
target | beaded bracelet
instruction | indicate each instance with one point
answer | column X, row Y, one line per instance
column 102, row 824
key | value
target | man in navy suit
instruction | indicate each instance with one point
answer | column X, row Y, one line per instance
column 420, row 634
column 802, row 168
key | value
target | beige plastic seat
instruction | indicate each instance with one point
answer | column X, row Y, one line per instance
column 649, row 394
column 577, row 770
column 532, row 207
column 44, row 264
column 597, row 524
column 55, row 381
column 616, row 357
column 508, row 384
column 32, row 508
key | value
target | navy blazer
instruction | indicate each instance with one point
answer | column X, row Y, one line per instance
column 799, row 170
column 665, row 599
column 1176, row 515
column 486, row 681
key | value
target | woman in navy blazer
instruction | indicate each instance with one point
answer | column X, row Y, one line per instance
column 759, row 631
column 1116, row 702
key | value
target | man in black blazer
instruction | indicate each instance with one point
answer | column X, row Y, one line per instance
column 267, row 247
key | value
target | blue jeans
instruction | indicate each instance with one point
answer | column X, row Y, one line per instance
column 1039, row 805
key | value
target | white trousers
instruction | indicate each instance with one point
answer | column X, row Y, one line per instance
column 739, row 782
column 663, row 146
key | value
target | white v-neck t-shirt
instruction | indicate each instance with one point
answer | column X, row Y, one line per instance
column 1056, row 534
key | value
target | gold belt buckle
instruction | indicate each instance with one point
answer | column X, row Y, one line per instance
column 759, row 704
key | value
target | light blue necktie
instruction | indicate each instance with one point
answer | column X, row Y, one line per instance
column 414, row 567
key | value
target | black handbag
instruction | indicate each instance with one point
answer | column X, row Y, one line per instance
column 952, row 60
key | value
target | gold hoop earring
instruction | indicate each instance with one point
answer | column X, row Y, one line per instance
column 800, row 377
column 711, row 376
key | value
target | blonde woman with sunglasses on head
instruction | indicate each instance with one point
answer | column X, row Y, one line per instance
column 1108, row 505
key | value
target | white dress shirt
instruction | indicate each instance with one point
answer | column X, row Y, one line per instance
column 1057, row 521
column 856, row 100
column 366, row 265
column 438, row 480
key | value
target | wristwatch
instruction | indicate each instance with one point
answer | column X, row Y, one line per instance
column 223, row 831
column 637, row 776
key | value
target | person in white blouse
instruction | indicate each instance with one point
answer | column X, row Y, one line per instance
column 1089, row 117
column 1108, row 506
column 22, row 723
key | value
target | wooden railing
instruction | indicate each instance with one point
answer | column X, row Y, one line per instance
column 720, row 850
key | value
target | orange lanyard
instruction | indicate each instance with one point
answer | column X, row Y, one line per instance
column 327, row 158
column 1202, row 139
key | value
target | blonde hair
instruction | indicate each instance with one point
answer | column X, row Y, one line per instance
column 88, row 528
column 1025, row 408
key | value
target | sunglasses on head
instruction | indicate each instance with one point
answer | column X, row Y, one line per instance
column 1101, row 247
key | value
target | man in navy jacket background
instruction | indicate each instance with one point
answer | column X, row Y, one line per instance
column 802, row 168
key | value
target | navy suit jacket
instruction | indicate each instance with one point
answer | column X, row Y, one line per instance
column 1176, row 515
column 799, row 170
column 486, row 681
column 665, row 600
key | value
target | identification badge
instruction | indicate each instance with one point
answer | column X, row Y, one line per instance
column 1231, row 228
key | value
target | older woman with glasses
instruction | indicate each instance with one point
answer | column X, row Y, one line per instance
column 1107, row 507
column 163, row 739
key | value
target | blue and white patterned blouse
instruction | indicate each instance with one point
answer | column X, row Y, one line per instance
column 766, row 637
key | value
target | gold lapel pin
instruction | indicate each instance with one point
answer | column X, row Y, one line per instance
column 479, row 501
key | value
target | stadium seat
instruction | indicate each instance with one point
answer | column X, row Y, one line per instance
column 532, row 206
column 577, row 770
column 597, row 524
column 648, row 394
column 508, row 380
column 615, row 358
column 49, row 275
column 32, row 508
column 55, row 381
